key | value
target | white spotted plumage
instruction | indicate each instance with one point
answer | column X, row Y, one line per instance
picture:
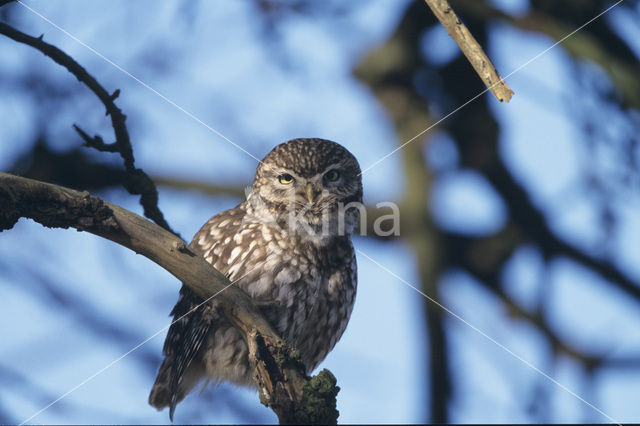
column 304, row 283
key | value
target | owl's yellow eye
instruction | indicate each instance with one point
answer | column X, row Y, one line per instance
column 332, row 175
column 285, row 179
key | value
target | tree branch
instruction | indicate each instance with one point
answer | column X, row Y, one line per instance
column 471, row 49
column 280, row 376
column 535, row 227
column 583, row 44
column 136, row 181
column 484, row 259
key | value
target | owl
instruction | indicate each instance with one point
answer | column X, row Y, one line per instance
column 288, row 246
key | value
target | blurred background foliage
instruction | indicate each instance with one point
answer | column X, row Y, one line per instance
column 521, row 218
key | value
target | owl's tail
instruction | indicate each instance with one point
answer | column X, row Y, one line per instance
column 171, row 385
column 161, row 395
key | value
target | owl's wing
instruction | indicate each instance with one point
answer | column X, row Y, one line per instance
column 192, row 321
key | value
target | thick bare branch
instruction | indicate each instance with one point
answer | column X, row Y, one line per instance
column 471, row 49
column 280, row 376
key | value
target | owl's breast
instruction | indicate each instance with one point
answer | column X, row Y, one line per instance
column 307, row 292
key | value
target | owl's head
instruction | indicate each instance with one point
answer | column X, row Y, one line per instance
column 312, row 186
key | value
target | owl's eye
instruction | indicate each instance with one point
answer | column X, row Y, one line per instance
column 285, row 179
column 332, row 175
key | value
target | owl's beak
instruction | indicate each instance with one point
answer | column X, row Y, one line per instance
column 309, row 192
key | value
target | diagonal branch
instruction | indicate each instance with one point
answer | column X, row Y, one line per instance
column 596, row 42
column 279, row 374
column 136, row 181
column 471, row 49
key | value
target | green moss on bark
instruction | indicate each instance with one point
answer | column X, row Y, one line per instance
column 318, row 405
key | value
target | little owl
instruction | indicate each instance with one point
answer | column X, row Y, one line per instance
column 288, row 246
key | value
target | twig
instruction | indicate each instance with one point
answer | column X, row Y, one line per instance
column 136, row 181
column 96, row 142
column 471, row 49
column 280, row 376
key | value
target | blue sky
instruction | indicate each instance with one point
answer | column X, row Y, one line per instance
column 214, row 65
